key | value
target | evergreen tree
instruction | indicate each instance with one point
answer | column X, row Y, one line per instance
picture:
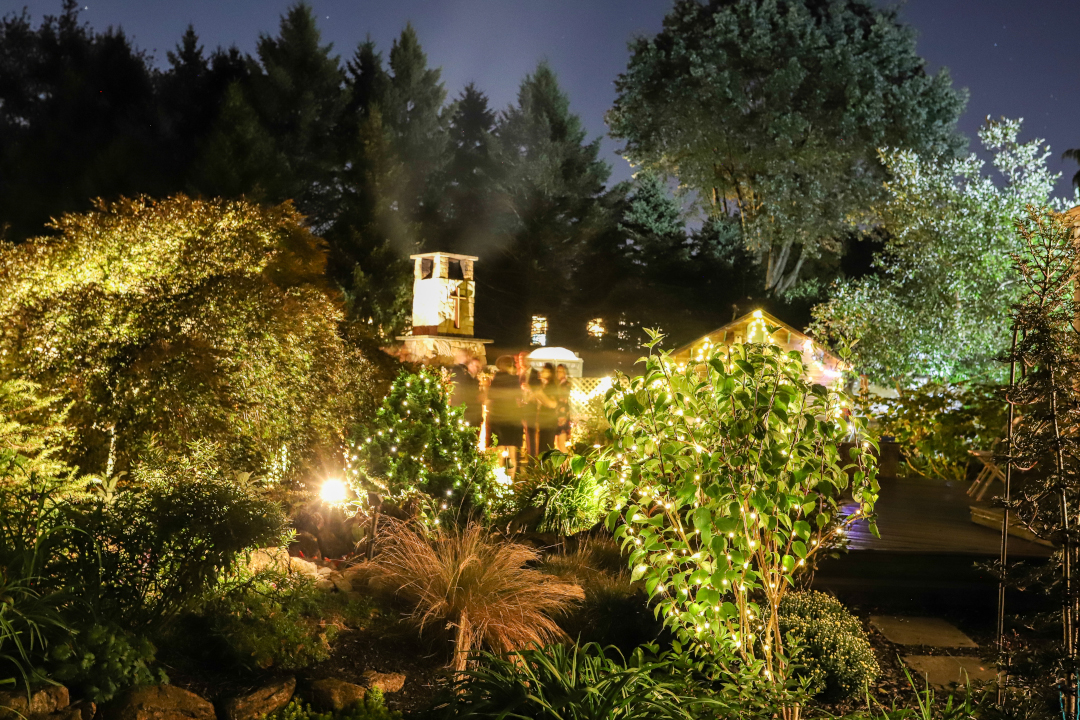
column 192, row 94
column 276, row 138
column 553, row 180
column 472, row 176
column 418, row 448
column 412, row 108
column 654, row 225
column 78, row 119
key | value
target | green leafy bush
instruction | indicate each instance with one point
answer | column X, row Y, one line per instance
column 371, row 707
column 150, row 552
column 137, row 556
column 280, row 621
column 575, row 683
column 418, row 448
column 937, row 424
column 102, row 661
column 729, row 478
column 834, row 649
column 568, row 501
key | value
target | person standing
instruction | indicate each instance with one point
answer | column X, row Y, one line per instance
column 504, row 413
column 542, row 398
column 562, row 408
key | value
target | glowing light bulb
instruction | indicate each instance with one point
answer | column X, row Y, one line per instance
column 333, row 491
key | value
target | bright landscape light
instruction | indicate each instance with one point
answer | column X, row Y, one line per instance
column 333, row 491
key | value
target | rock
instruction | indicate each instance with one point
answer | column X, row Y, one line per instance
column 271, row 558
column 325, row 570
column 386, row 682
column 340, row 582
column 299, row 565
column 86, row 708
column 161, row 702
column 261, row 702
column 324, row 584
column 42, row 702
column 332, row 694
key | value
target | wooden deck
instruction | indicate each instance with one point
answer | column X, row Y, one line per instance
column 916, row 515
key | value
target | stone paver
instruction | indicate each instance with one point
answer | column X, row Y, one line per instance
column 934, row 632
column 943, row 670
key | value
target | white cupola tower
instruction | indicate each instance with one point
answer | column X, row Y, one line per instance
column 444, row 301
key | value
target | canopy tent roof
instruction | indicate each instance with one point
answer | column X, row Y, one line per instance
column 556, row 356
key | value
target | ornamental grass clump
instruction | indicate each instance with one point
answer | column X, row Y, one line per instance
column 480, row 588
column 729, row 476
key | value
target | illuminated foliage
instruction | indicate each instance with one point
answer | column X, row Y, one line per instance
column 183, row 320
column 419, row 448
column 728, row 479
column 938, row 305
column 773, row 111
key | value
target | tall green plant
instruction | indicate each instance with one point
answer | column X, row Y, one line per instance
column 1046, row 397
column 729, row 477
column 419, row 447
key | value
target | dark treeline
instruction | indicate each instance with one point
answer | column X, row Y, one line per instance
column 381, row 160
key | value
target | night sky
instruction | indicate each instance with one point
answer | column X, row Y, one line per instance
column 1017, row 59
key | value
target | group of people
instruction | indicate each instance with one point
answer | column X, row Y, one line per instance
column 527, row 409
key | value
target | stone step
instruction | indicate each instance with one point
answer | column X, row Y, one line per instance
column 933, row 632
column 941, row 671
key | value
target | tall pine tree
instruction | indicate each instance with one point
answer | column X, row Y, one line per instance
column 553, row 179
column 472, row 175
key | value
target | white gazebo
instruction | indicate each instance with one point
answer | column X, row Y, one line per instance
column 556, row 356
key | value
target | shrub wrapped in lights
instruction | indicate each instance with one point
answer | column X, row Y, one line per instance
column 728, row 478
column 418, row 447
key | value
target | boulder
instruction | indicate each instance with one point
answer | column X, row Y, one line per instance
column 386, row 682
column 161, row 702
column 340, row 582
column 332, row 694
column 49, row 699
column 261, row 702
column 271, row 558
column 86, row 708
column 324, row 584
column 299, row 565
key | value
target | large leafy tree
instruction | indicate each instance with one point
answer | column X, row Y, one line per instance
column 938, row 305
column 183, row 321
column 773, row 110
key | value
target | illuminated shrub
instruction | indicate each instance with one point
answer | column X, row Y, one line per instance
column 835, row 651
column 184, row 320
